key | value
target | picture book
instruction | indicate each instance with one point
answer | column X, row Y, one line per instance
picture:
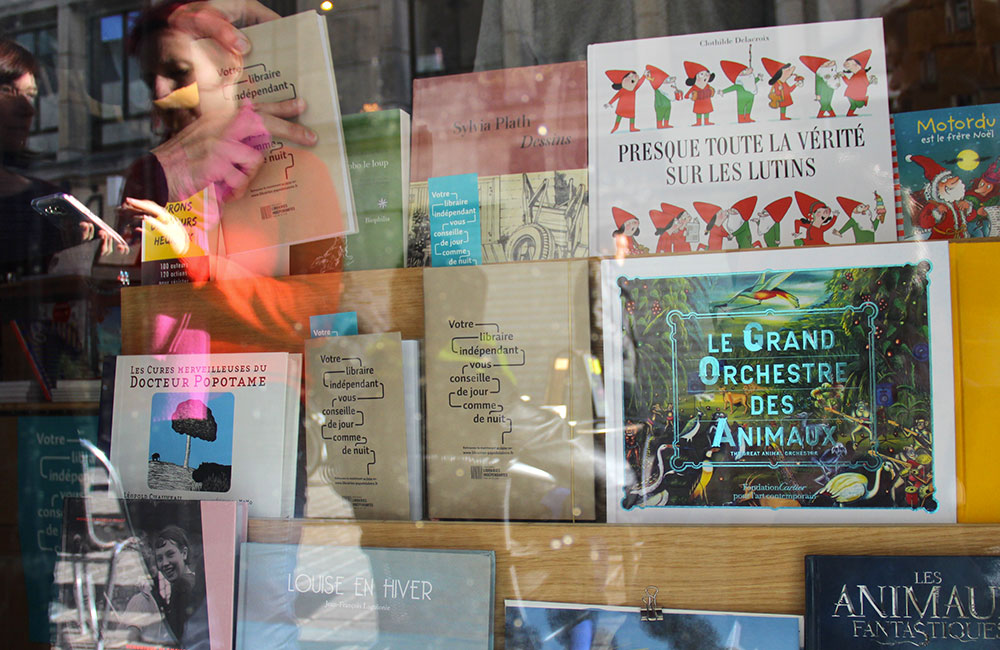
column 356, row 460
column 378, row 153
column 523, row 133
column 509, row 416
column 170, row 583
column 299, row 193
column 799, row 386
column 949, row 172
column 533, row 624
column 756, row 138
column 348, row 596
column 216, row 426
column 869, row 602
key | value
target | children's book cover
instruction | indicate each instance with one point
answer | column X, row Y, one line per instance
column 533, row 625
column 949, row 172
column 312, row 597
column 211, row 427
column 765, row 137
column 799, row 386
column 523, row 131
column 876, row 602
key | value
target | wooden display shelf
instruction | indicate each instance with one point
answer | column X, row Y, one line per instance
column 734, row 568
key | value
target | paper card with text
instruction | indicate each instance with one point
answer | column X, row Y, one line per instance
column 765, row 137
column 456, row 236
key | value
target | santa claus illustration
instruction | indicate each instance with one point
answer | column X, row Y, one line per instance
column 946, row 212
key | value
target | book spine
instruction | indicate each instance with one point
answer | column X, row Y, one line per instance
column 811, row 623
column 37, row 369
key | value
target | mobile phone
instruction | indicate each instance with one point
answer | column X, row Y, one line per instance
column 67, row 206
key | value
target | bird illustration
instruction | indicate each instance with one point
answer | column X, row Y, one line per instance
column 848, row 487
column 764, row 289
column 699, row 489
column 692, row 426
column 653, row 490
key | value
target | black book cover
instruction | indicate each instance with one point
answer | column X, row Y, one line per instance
column 933, row 602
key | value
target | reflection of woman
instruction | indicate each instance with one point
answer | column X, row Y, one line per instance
column 182, row 601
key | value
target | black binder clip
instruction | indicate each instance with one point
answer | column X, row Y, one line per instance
column 650, row 612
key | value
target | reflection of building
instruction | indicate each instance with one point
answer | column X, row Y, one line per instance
column 943, row 53
column 93, row 107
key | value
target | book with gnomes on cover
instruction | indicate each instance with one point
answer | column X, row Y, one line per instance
column 764, row 137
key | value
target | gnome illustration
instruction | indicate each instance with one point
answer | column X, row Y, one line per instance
column 661, row 100
column 768, row 223
column 698, row 78
column 858, row 213
column 671, row 223
column 628, row 230
column 857, row 80
column 744, row 84
column 738, row 222
column 827, row 80
column 816, row 219
column 947, row 210
column 625, row 82
column 783, row 81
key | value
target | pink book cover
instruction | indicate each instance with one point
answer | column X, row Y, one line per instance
column 523, row 132
column 219, row 521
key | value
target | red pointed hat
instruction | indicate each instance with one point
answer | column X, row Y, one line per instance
column 745, row 207
column 706, row 211
column 691, row 69
column 848, row 204
column 771, row 66
column 657, row 76
column 932, row 170
column 807, row 204
column 621, row 216
column 813, row 62
column 732, row 69
column 665, row 215
column 616, row 76
column 777, row 209
column 862, row 58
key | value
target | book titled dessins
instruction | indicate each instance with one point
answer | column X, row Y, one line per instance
column 213, row 426
column 509, row 415
column 175, row 568
column 934, row 602
column 312, row 597
column 763, row 137
column 300, row 193
column 356, row 435
column 797, row 386
column 523, row 133
column 949, row 172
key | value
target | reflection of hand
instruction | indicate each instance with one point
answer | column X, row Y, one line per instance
column 213, row 151
column 162, row 222
column 276, row 115
column 214, row 19
column 108, row 243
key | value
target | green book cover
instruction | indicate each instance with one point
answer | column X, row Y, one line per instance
column 378, row 146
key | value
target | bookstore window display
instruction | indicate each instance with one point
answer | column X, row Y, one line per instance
column 473, row 436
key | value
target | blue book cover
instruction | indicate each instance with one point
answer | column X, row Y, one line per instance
column 311, row 597
column 949, row 172
column 540, row 626
column 933, row 602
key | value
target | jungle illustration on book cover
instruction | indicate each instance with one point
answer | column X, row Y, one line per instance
column 789, row 383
